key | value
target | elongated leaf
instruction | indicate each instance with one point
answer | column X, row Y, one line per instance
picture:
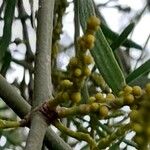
column 111, row 35
column 139, row 72
column 8, row 19
column 122, row 37
column 102, row 53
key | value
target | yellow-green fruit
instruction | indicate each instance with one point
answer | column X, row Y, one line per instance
column 110, row 97
column 103, row 111
column 86, row 71
column 87, row 59
column 73, row 61
column 89, row 41
column 99, row 97
column 137, row 91
column 128, row 89
column 65, row 96
column 128, row 99
column 120, row 94
column 81, row 43
column 66, row 83
column 84, row 108
column 92, row 99
column 134, row 115
column 76, row 97
column 147, row 88
column 93, row 23
column 94, row 106
column 137, row 127
column 77, row 72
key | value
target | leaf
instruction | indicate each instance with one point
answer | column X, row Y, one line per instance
column 122, row 37
column 111, row 35
column 102, row 53
column 144, row 68
column 8, row 19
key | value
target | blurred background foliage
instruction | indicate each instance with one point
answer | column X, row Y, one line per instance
column 17, row 48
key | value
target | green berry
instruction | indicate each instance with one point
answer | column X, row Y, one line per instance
column 76, row 97
column 77, row 72
column 93, row 23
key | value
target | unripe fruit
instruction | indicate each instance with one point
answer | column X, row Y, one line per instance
column 134, row 115
column 93, row 23
column 127, row 89
column 92, row 99
column 86, row 71
column 129, row 99
column 81, row 43
column 137, row 91
column 89, row 41
column 73, row 61
column 103, row 111
column 94, row 106
column 99, row 97
column 77, row 72
column 84, row 108
column 110, row 97
column 66, row 83
column 87, row 59
column 65, row 96
column 147, row 88
column 76, row 97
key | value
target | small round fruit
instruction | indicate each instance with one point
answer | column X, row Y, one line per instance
column 87, row 59
column 77, row 72
column 65, row 96
column 73, row 61
column 92, row 99
column 129, row 99
column 147, row 88
column 93, row 23
column 137, row 91
column 94, row 106
column 99, row 97
column 127, row 89
column 86, row 71
column 89, row 41
column 66, row 83
column 76, row 97
column 110, row 97
column 103, row 111
column 134, row 115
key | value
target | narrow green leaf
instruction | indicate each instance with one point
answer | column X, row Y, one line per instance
column 8, row 19
column 144, row 68
column 102, row 53
column 111, row 35
column 122, row 37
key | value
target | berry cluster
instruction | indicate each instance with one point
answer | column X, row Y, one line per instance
column 78, row 69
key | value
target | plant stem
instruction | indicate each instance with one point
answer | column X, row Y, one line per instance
column 42, row 82
column 78, row 135
column 18, row 104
